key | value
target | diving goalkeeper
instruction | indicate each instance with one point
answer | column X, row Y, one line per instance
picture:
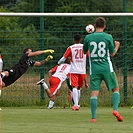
column 11, row 75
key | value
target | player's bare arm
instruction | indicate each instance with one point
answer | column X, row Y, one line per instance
column 37, row 63
column 50, row 72
column 85, row 81
column 117, row 45
column 40, row 52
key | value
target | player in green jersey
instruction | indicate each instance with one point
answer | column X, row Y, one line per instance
column 101, row 46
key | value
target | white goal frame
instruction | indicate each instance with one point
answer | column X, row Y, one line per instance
column 6, row 14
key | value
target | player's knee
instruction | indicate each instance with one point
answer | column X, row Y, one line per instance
column 50, row 96
column 115, row 90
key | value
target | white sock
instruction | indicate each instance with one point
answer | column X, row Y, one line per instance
column 75, row 96
column 78, row 94
column 45, row 85
column 51, row 104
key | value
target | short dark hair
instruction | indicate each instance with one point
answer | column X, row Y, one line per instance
column 77, row 37
column 100, row 22
column 25, row 50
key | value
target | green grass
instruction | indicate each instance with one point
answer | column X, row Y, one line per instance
column 59, row 120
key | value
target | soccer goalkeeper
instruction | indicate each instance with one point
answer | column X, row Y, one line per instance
column 11, row 75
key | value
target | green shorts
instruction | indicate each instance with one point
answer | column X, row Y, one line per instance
column 109, row 79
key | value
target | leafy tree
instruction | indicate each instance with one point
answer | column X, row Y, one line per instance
column 13, row 39
column 27, row 6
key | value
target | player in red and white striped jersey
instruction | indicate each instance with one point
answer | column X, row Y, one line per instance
column 77, row 69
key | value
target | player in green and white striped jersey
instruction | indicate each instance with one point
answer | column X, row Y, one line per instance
column 101, row 47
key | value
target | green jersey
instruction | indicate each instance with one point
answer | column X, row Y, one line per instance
column 100, row 45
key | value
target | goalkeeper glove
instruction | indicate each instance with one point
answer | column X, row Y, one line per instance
column 49, row 51
column 49, row 57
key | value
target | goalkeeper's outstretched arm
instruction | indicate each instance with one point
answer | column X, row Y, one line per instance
column 40, row 52
column 37, row 63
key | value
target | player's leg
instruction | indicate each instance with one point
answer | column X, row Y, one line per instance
column 45, row 86
column 53, row 91
column 55, row 84
column 10, row 76
column 116, row 101
column 93, row 105
column 80, row 84
column 70, row 90
column 95, row 81
column 75, row 98
column 113, row 85
column 115, row 98
column 79, row 94
column 52, row 99
column 51, row 102
column 74, row 84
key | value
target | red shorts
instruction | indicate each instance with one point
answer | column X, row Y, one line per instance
column 77, row 80
column 55, row 84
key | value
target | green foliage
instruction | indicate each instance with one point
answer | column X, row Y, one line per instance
column 14, row 38
column 27, row 6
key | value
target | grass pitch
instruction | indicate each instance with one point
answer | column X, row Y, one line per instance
column 59, row 120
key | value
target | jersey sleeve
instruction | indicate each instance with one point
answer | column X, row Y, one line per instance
column 68, row 53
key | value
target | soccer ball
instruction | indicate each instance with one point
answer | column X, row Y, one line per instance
column 90, row 28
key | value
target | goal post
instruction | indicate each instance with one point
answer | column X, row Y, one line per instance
column 63, row 14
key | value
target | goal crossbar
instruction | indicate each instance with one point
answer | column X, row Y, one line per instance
column 4, row 14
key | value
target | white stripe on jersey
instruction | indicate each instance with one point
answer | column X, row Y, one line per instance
column 90, row 66
column 110, row 63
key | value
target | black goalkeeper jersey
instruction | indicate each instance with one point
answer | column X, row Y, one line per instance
column 18, row 70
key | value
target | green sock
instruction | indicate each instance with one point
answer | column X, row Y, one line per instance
column 116, row 100
column 93, row 105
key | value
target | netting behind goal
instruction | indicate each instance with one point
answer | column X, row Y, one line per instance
column 56, row 32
